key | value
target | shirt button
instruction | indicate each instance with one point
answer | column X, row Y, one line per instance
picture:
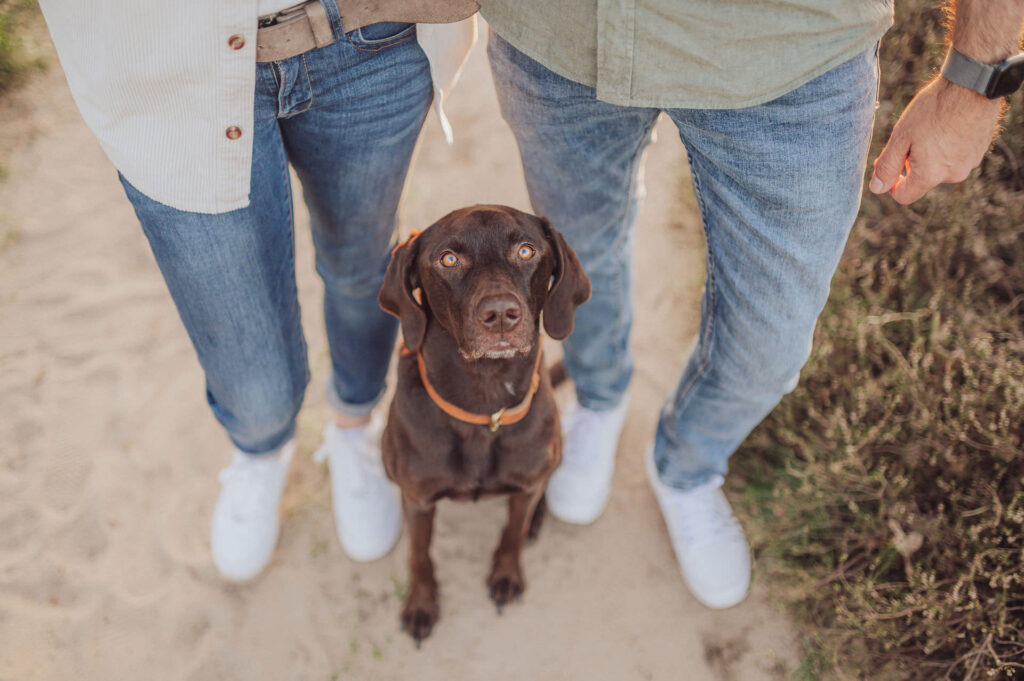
column 236, row 42
column 234, row 132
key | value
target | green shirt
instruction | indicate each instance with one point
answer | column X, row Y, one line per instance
column 707, row 54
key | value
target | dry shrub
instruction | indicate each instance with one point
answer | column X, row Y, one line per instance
column 885, row 494
column 17, row 59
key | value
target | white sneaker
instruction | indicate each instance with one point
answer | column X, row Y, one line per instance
column 708, row 541
column 246, row 518
column 367, row 506
column 578, row 490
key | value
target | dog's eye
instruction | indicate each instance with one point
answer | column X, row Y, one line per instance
column 449, row 259
column 526, row 251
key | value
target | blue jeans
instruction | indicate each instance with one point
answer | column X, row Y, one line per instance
column 346, row 116
column 778, row 186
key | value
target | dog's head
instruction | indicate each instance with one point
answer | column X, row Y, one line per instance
column 485, row 274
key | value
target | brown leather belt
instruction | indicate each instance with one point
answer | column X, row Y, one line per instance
column 293, row 31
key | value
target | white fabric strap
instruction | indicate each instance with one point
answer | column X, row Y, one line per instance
column 447, row 47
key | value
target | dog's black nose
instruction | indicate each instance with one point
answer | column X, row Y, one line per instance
column 499, row 313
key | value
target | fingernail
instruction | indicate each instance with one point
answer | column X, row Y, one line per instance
column 876, row 185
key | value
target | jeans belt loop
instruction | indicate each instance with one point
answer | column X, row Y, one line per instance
column 320, row 23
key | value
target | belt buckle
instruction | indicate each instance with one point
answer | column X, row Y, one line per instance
column 268, row 19
column 284, row 16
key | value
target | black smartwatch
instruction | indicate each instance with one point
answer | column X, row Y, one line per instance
column 990, row 80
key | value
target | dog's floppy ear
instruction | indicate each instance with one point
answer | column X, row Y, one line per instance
column 396, row 293
column 570, row 287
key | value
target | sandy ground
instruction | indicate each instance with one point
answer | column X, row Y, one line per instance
column 109, row 456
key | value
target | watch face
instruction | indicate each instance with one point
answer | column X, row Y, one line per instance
column 1008, row 78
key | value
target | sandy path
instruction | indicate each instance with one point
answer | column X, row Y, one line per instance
column 109, row 456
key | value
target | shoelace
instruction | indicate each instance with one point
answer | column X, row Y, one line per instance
column 360, row 469
column 701, row 514
column 249, row 483
column 577, row 419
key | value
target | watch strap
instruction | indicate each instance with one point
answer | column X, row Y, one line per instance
column 967, row 72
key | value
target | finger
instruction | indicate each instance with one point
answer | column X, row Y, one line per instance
column 889, row 164
column 914, row 184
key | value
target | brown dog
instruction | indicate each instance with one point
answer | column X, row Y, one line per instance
column 474, row 414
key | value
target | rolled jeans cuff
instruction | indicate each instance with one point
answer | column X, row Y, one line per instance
column 348, row 408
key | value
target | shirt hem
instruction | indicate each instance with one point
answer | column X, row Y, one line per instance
column 513, row 39
column 682, row 101
column 216, row 206
column 745, row 103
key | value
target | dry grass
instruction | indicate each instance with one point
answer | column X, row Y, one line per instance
column 17, row 59
column 885, row 494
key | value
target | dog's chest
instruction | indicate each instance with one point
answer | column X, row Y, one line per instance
column 476, row 463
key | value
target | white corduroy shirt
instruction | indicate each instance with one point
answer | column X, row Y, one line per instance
column 161, row 84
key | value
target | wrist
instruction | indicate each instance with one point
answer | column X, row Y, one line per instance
column 989, row 54
column 991, row 81
column 962, row 98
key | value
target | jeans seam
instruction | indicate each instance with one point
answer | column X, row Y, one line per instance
column 280, row 90
column 305, row 68
column 303, row 347
column 334, row 18
column 285, row 179
column 275, row 72
column 705, row 344
column 622, row 233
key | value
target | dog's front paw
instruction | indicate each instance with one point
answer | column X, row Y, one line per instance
column 420, row 614
column 506, row 584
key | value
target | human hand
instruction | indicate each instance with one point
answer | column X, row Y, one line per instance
column 941, row 136
column 358, row 13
